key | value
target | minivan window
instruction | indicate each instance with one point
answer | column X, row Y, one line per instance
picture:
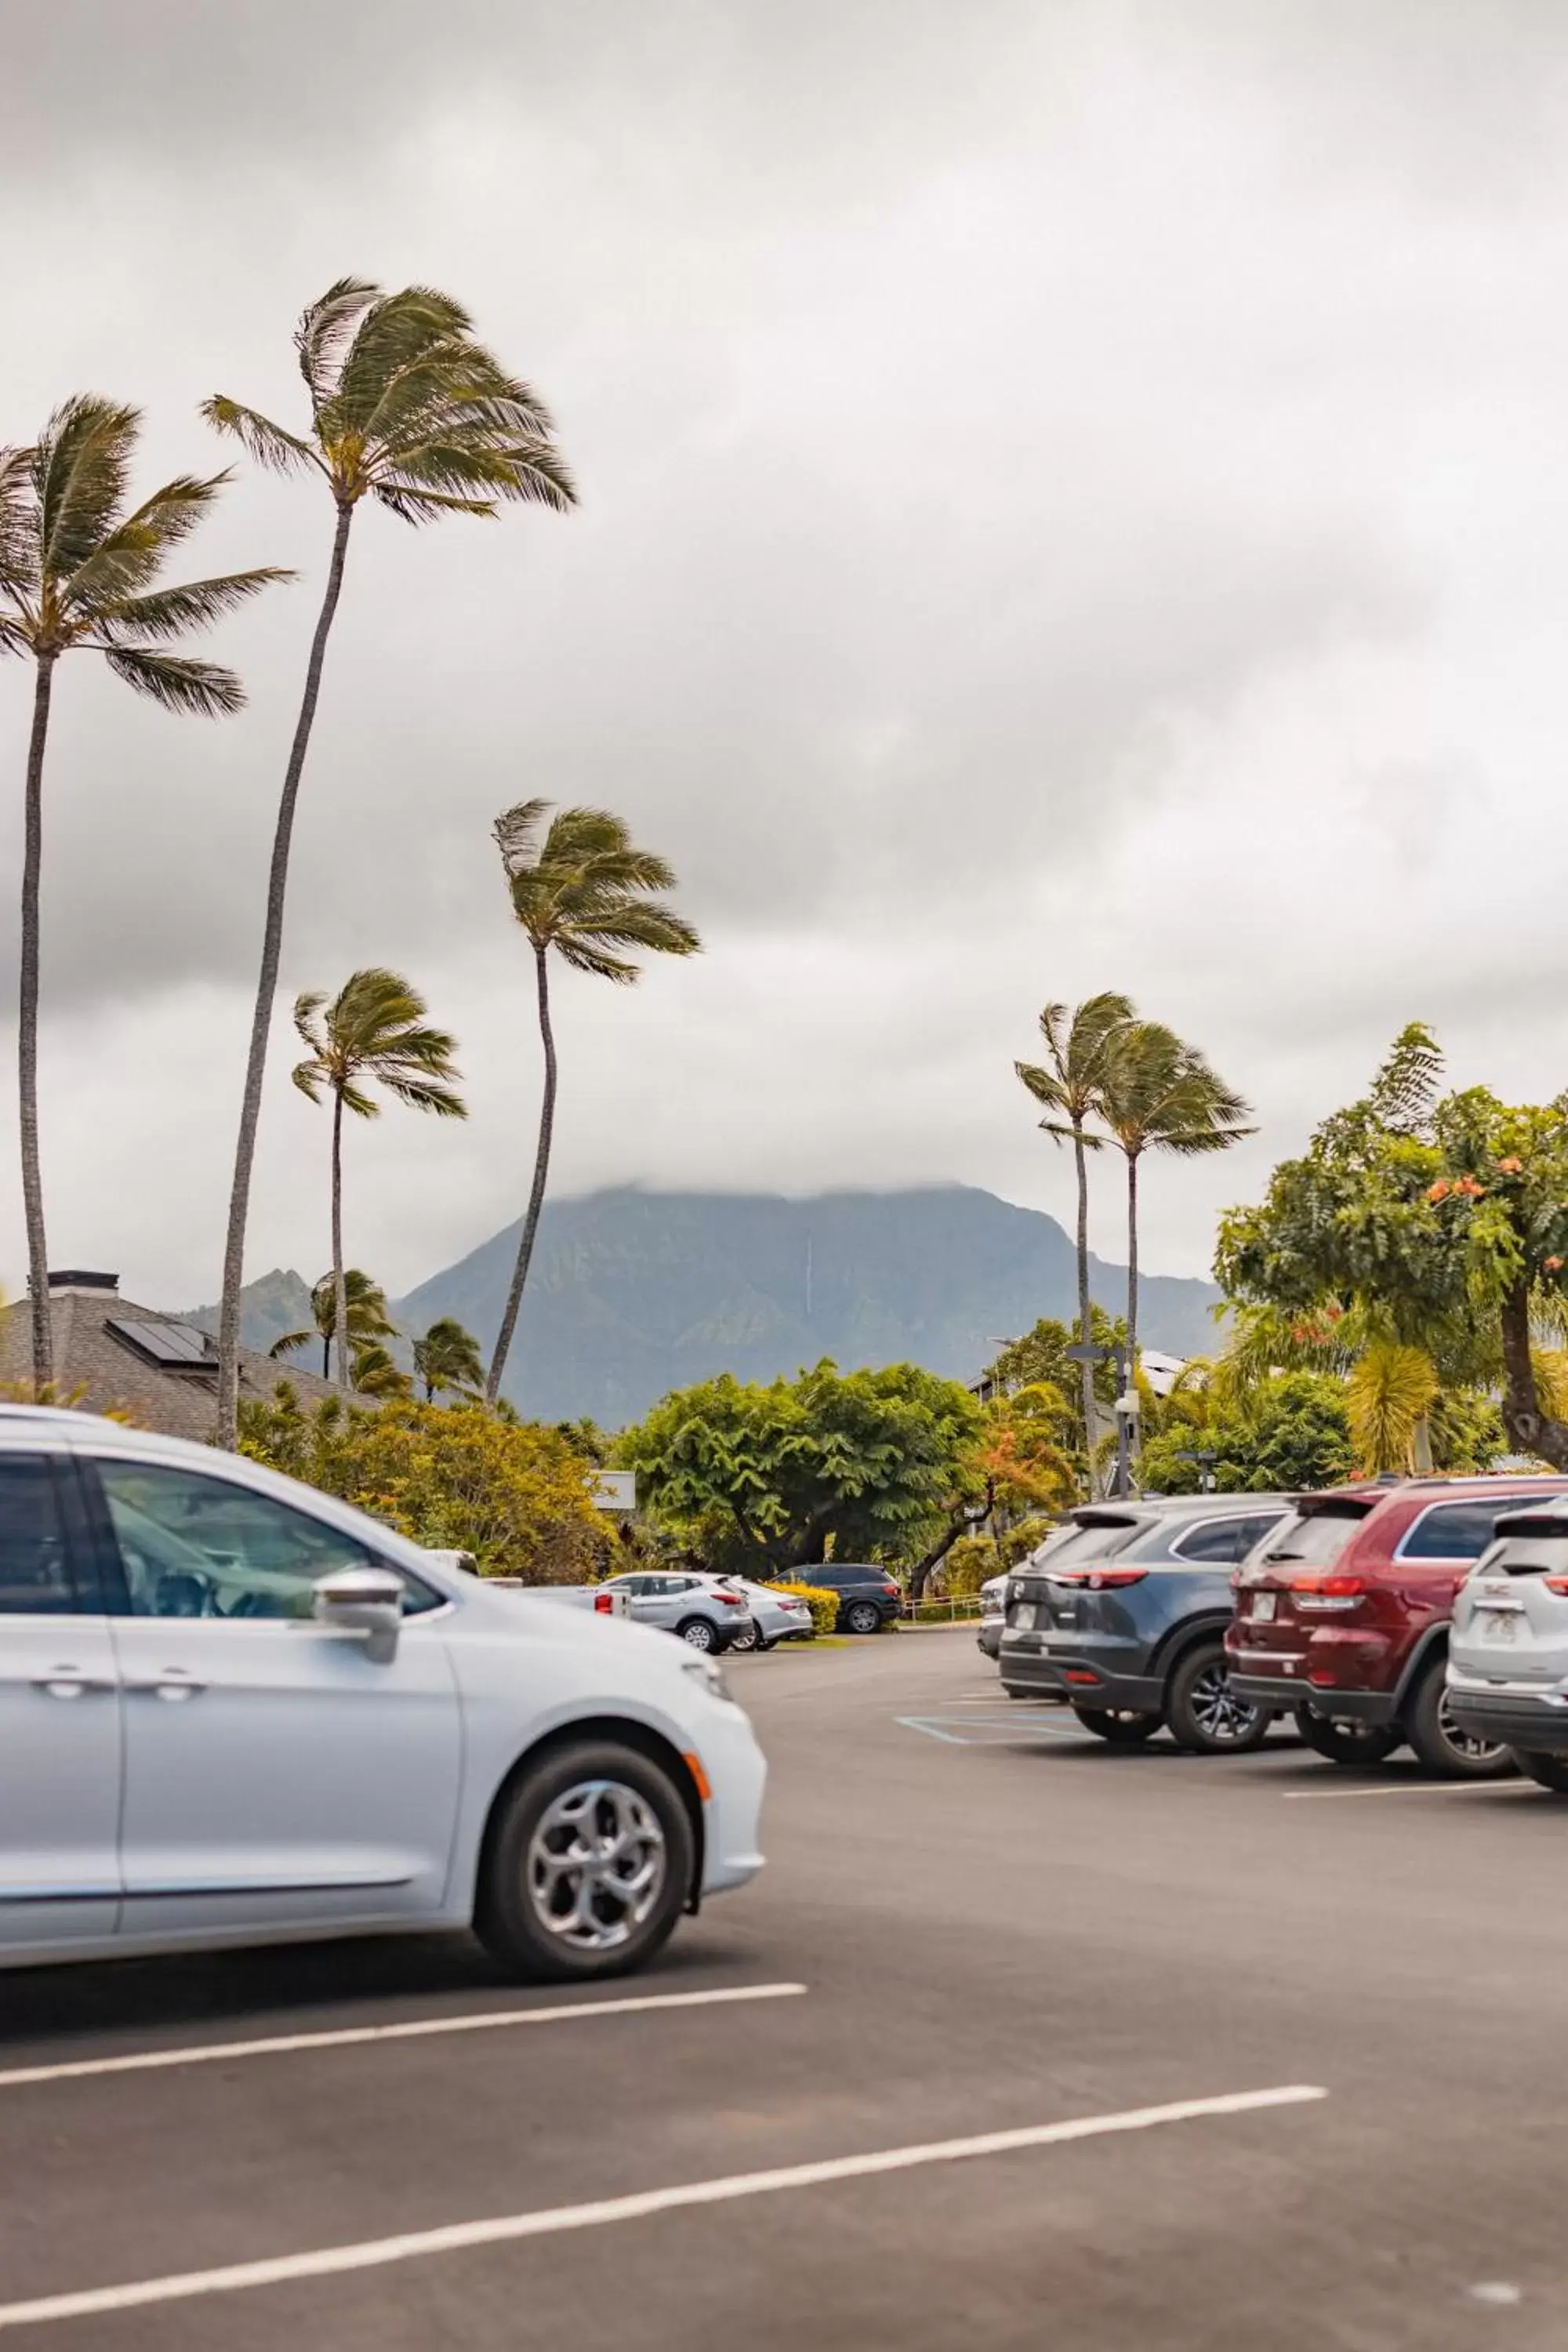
column 1314, row 1538
column 35, row 1575
column 1456, row 1530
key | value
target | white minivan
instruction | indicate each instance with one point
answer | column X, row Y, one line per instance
column 234, row 1710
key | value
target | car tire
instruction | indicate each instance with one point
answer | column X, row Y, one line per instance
column 863, row 1617
column 1203, row 1715
column 749, row 1640
column 1441, row 1746
column 698, row 1633
column 1348, row 1743
column 1120, row 1726
column 1546, row 1771
column 547, row 1924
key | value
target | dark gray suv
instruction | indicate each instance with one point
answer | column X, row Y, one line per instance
column 1125, row 1618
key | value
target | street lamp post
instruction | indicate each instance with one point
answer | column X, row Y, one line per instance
column 1204, row 1458
column 1126, row 1406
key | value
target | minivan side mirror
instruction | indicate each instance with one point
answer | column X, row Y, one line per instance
column 367, row 1601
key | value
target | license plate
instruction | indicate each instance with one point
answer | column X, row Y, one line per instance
column 1026, row 1616
column 1499, row 1625
column 1262, row 1607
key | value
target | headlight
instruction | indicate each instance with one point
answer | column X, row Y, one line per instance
column 710, row 1676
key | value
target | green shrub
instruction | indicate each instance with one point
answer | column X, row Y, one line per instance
column 824, row 1604
column 1020, row 1541
column 968, row 1564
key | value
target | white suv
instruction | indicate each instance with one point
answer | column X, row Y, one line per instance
column 1508, row 1645
column 233, row 1709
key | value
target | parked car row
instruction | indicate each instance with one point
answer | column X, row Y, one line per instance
column 719, row 1613
column 1211, row 1616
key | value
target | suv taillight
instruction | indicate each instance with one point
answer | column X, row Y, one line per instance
column 604, row 1605
column 1325, row 1594
column 1100, row 1580
column 1558, row 1584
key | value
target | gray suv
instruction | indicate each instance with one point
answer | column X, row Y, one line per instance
column 1508, row 1645
column 1124, row 1618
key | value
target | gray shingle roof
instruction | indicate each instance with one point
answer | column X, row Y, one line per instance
column 110, row 1374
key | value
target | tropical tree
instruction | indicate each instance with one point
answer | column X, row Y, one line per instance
column 1291, row 1431
column 367, row 1321
column 1070, row 1084
column 373, row 1033
column 448, row 1359
column 79, row 573
column 582, row 888
column 377, row 1373
column 409, row 410
column 1158, row 1094
column 1442, row 1220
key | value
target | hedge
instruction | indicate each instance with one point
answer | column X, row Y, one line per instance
column 824, row 1605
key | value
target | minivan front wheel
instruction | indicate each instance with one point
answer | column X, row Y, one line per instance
column 1443, row 1747
column 1340, row 1742
column 1547, row 1771
column 589, row 1866
column 1204, row 1713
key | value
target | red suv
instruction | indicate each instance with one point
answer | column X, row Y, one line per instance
column 1341, row 1616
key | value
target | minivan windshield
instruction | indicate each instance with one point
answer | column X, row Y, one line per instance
column 1314, row 1538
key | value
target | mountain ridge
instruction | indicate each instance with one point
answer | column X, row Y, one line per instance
column 635, row 1291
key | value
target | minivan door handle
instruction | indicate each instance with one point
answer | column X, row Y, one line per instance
column 173, row 1684
column 68, row 1682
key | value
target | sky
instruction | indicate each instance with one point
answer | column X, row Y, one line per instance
column 1070, row 498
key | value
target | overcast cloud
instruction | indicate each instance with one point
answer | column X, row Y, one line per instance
column 1072, row 498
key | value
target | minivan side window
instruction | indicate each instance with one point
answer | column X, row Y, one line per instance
column 190, row 1545
column 1458, row 1530
column 35, row 1572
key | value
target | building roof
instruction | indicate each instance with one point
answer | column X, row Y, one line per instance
column 113, row 1355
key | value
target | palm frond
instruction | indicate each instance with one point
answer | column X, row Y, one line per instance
column 310, row 1077
column 170, row 613
column 325, row 331
column 516, row 834
column 178, row 684
column 290, row 1340
column 392, row 333
column 78, row 470
column 19, row 523
column 270, row 446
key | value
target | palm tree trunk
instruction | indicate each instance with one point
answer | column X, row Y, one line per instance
column 27, row 1035
column 1131, row 1267
column 266, row 989
column 339, row 1280
column 536, row 1197
column 1085, row 1316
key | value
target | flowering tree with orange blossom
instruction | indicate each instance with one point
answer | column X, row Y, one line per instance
column 1441, row 1219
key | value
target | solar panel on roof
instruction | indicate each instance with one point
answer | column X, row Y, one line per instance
column 174, row 1347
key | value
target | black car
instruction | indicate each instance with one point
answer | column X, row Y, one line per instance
column 1124, row 1618
column 867, row 1597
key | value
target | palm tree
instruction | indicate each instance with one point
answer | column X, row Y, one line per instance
column 447, row 1357
column 376, row 1375
column 1077, row 1049
column 367, row 1320
column 373, row 1035
column 408, row 409
column 1159, row 1094
column 585, row 890
column 79, row 573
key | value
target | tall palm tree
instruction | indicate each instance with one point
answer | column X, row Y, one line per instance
column 406, row 408
column 448, row 1357
column 585, row 890
column 79, row 573
column 1160, row 1095
column 367, row 1323
column 373, row 1033
column 1070, row 1084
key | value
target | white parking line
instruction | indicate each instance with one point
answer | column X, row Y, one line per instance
column 145, row 2062
column 1416, row 1788
column 458, row 2237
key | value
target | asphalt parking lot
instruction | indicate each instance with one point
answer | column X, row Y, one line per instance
column 976, row 1923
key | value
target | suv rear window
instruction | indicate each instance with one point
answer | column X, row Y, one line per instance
column 1315, row 1537
column 1103, row 1537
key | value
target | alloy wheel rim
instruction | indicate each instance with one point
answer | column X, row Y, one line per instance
column 1465, row 1743
column 597, row 1865
column 1219, row 1715
column 699, row 1634
column 863, row 1620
